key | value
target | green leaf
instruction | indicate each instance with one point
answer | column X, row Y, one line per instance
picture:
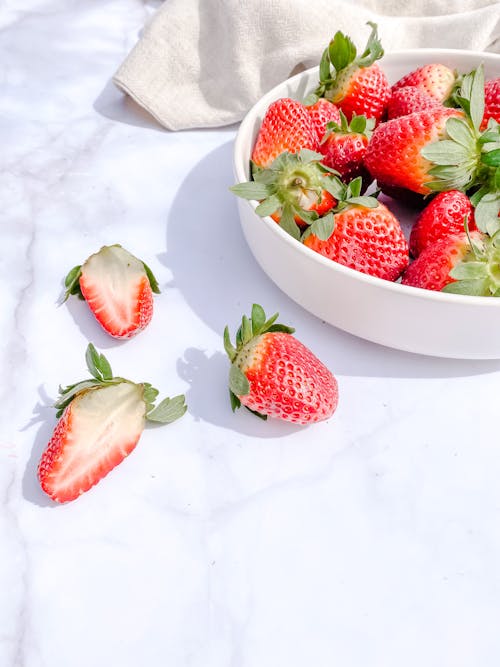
column 468, row 271
column 151, row 277
column 368, row 202
column 268, row 206
column 486, row 214
column 258, row 318
column 251, row 190
column 335, row 187
column 354, row 187
column 288, row 223
column 246, row 330
column 306, row 155
column 323, row 227
column 445, row 152
column 228, row 346
column 458, row 130
column 468, row 287
column 492, row 158
column 477, row 98
column 168, row 410
column 150, row 395
column 358, row 124
column 268, row 323
column 238, row 382
column 257, row 414
column 341, row 50
column 72, row 282
column 324, row 66
column 97, row 364
column 374, row 50
column 281, row 327
column 310, row 99
column 235, row 401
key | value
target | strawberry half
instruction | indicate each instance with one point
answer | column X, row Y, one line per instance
column 355, row 84
column 286, row 126
column 295, row 190
column 275, row 375
column 101, row 421
column 118, row 289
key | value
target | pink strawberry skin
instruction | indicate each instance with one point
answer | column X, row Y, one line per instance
column 362, row 91
column 345, row 153
column 443, row 217
column 287, row 380
column 393, row 154
column 435, row 79
column 409, row 99
column 369, row 240
column 432, row 267
column 491, row 101
column 322, row 112
column 286, row 126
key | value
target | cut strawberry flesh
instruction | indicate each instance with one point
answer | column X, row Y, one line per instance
column 115, row 285
column 97, row 431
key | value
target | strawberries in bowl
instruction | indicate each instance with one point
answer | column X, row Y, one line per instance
column 441, row 323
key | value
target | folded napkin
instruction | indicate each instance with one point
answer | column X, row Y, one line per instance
column 204, row 63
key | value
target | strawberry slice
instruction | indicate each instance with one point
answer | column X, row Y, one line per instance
column 101, row 422
column 118, row 289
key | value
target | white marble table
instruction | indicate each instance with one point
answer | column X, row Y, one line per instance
column 370, row 540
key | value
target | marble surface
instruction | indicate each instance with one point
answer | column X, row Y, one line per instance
column 222, row 541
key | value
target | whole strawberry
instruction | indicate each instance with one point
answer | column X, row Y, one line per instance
column 444, row 216
column 355, row 84
column 295, row 190
column 360, row 233
column 275, row 375
column 101, row 421
column 491, row 101
column 118, row 289
column 344, row 147
column 323, row 112
column 286, row 126
column 436, row 79
column 409, row 99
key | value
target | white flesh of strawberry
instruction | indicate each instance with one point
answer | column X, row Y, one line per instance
column 106, row 423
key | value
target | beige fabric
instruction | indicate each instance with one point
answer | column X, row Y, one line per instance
column 203, row 63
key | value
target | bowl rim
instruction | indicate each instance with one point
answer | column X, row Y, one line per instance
column 240, row 162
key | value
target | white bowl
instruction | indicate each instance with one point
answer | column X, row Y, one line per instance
column 399, row 316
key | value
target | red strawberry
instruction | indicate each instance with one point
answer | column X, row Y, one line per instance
column 409, row 99
column 101, row 422
column 394, row 154
column 274, row 375
column 286, row 126
column 323, row 112
column 367, row 239
column 431, row 270
column 444, row 216
column 294, row 190
column 344, row 146
column 491, row 101
column 118, row 289
column 356, row 85
column 435, row 79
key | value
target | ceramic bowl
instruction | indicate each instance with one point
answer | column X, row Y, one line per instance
column 395, row 315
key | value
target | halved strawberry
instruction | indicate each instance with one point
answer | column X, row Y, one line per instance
column 118, row 289
column 356, row 85
column 101, row 422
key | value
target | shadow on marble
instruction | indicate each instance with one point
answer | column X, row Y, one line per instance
column 43, row 414
column 219, row 278
column 88, row 325
column 115, row 105
column 208, row 397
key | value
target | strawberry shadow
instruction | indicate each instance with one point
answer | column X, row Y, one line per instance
column 208, row 397
column 43, row 414
column 219, row 278
column 89, row 326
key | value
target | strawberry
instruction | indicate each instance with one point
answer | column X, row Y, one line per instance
column 275, row 375
column 356, row 85
column 409, row 99
column 363, row 235
column 344, row 146
column 322, row 112
column 435, row 79
column 101, row 421
column 491, row 101
column 439, row 149
column 286, row 126
column 443, row 216
column 118, row 289
column 295, row 190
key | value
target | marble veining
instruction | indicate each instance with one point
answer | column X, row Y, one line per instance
column 222, row 541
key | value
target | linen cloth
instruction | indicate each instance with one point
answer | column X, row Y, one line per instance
column 204, row 63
